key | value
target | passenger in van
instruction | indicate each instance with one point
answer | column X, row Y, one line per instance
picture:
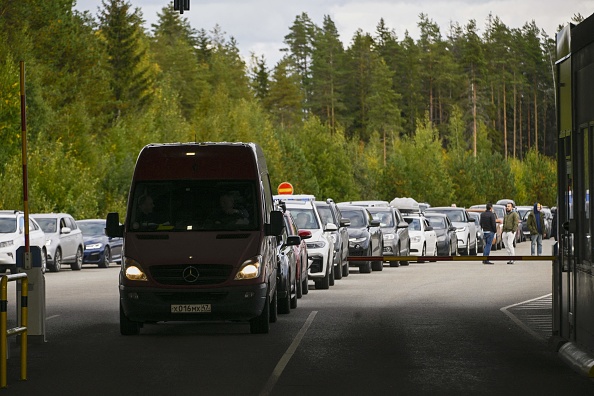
column 228, row 214
column 145, row 209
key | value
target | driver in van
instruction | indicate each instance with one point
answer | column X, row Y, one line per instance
column 228, row 213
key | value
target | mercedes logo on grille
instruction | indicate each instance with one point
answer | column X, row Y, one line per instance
column 191, row 274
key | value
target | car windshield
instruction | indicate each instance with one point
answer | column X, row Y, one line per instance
column 193, row 205
column 356, row 217
column 325, row 214
column 7, row 225
column 48, row 226
column 305, row 218
column 92, row 228
column 437, row 222
column 385, row 218
column 414, row 224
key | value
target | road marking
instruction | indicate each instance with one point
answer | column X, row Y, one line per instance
column 52, row 317
column 282, row 363
column 519, row 322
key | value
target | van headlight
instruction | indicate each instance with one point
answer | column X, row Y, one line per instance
column 250, row 269
column 133, row 270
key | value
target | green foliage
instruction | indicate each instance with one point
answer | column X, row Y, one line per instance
column 378, row 119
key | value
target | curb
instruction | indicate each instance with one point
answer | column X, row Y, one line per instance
column 578, row 359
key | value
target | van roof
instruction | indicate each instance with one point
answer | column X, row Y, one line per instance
column 207, row 160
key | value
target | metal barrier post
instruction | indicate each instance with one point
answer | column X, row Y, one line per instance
column 22, row 329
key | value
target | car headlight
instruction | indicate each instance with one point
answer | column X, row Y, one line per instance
column 133, row 270
column 316, row 245
column 416, row 239
column 461, row 229
column 48, row 242
column 333, row 236
column 6, row 244
column 250, row 269
column 94, row 246
column 357, row 240
column 389, row 237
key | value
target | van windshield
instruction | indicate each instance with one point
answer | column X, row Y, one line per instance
column 194, row 205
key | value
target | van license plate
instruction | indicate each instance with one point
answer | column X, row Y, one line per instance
column 190, row 308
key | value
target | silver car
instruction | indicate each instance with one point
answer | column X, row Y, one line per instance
column 64, row 240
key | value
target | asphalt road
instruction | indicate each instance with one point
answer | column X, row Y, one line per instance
column 444, row 328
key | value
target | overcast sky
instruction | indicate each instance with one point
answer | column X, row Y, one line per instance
column 259, row 26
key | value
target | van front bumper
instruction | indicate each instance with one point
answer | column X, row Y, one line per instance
column 141, row 304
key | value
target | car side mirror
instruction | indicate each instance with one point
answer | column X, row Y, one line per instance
column 403, row 224
column 293, row 240
column 330, row 227
column 277, row 222
column 429, row 228
column 375, row 223
column 113, row 228
column 65, row 230
column 345, row 222
column 304, row 234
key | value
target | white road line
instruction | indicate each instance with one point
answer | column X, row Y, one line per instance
column 51, row 317
column 519, row 322
column 282, row 363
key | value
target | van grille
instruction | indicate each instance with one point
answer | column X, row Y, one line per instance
column 204, row 274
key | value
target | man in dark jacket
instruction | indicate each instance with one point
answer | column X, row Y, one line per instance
column 536, row 225
column 489, row 225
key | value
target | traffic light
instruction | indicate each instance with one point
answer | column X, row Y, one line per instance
column 181, row 5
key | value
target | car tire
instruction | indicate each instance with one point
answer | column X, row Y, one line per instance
column 294, row 296
column 324, row 283
column 423, row 253
column 284, row 303
column 331, row 274
column 127, row 326
column 261, row 323
column 434, row 253
column 305, row 284
column 394, row 263
column 338, row 271
column 43, row 260
column 273, row 311
column 77, row 264
column 298, row 288
column 57, row 261
column 405, row 263
column 377, row 265
column 345, row 268
column 106, row 258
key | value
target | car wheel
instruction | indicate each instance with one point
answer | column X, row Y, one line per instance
column 323, row 283
column 261, row 323
column 394, row 263
column 294, row 296
column 378, row 265
column 106, row 258
column 298, row 288
column 338, row 271
column 273, row 311
column 57, row 261
column 407, row 254
column 128, row 327
column 423, row 253
column 434, row 253
column 77, row 265
column 331, row 274
column 345, row 268
column 305, row 284
column 284, row 303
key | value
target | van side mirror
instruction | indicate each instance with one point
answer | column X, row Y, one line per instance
column 277, row 223
column 113, row 229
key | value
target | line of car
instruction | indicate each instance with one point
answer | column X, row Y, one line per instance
column 60, row 238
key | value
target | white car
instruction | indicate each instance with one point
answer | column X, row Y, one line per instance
column 64, row 240
column 465, row 228
column 12, row 237
column 320, row 247
column 423, row 239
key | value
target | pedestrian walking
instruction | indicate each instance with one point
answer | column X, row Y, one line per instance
column 536, row 225
column 510, row 227
column 489, row 225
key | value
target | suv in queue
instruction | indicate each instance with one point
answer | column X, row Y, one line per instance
column 64, row 240
column 330, row 213
column 12, row 237
column 395, row 232
column 320, row 247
